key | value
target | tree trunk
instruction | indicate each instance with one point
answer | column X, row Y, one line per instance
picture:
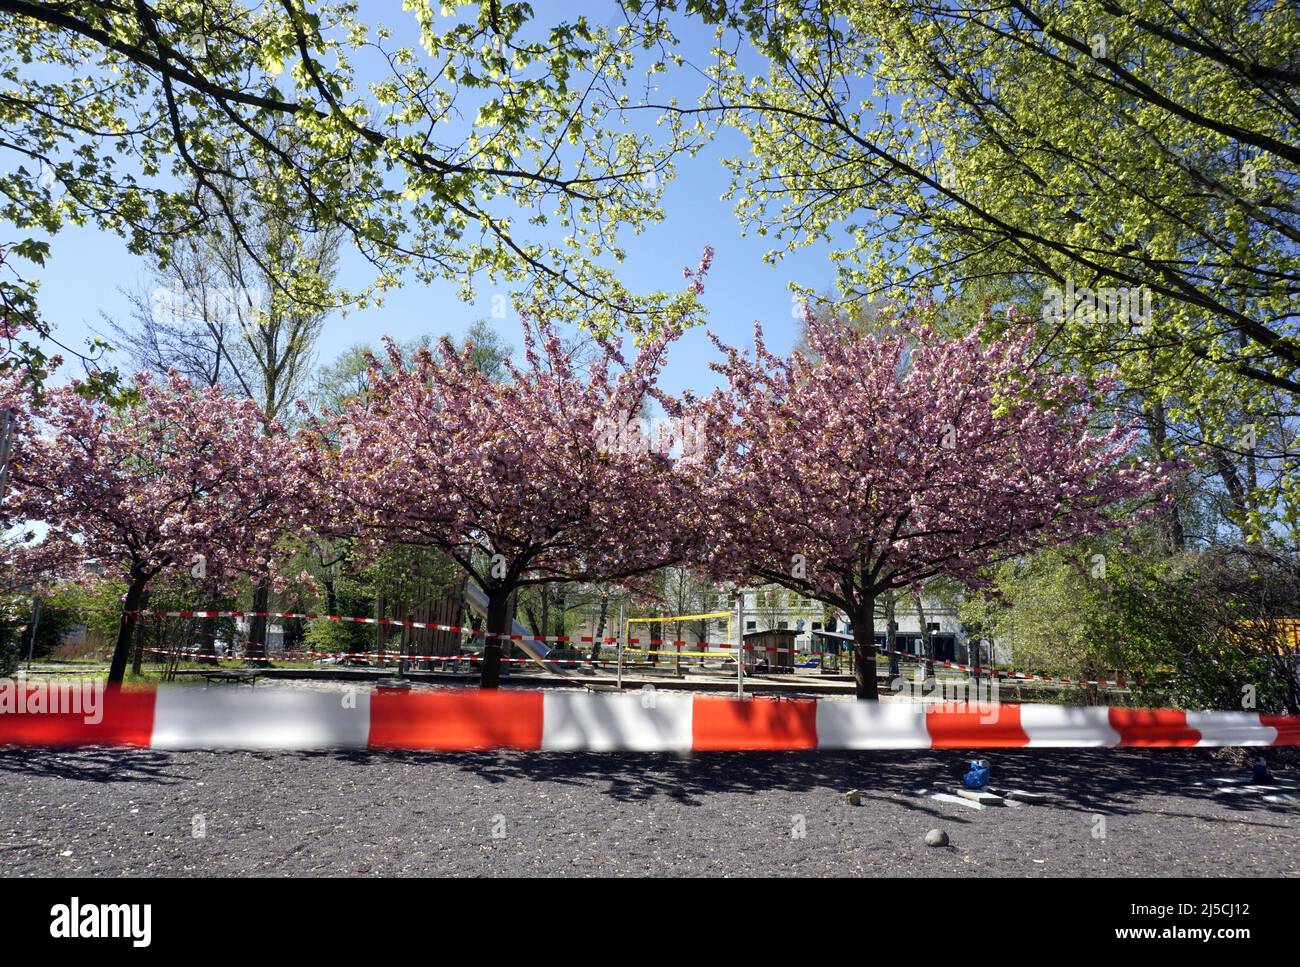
column 498, row 616
column 208, row 633
column 142, row 635
column 891, row 634
column 1175, row 534
column 927, row 643
column 258, row 626
column 600, row 628
column 208, row 641
column 537, row 611
column 864, row 651
column 561, row 610
column 404, row 649
column 381, row 630
column 121, row 651
column 536, row 623
column 331, row 597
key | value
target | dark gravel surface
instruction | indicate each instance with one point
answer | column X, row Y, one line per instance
column 114, row 812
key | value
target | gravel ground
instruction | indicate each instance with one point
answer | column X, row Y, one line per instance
column 115, row 812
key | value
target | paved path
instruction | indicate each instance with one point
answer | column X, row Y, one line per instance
column 128, row 812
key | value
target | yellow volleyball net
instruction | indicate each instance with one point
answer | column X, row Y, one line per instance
column 667, row 643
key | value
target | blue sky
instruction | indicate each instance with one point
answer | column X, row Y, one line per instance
column 88, row 269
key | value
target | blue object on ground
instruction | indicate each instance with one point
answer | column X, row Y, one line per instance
column 1261, row 771
column 978, row 776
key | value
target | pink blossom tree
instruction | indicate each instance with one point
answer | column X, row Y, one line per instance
column 877, row 460
column 540, row 477
column 19, row 565
column 176, row 479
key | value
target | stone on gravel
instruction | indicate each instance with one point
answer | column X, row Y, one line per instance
column 853, row 797
column 981, row 797
column 677, row 792
column 944, row 797
column 936, row 837
column 1023, row 795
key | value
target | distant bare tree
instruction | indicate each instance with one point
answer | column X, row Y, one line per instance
column 232, row 311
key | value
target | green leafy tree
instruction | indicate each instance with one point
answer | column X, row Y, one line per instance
column 1212, row 629
column 1129, row 144
column 1127, row 166
column 1052, row 615
column 1221, row 625
column 345, row 379
column 434, row 148
column 354, row 597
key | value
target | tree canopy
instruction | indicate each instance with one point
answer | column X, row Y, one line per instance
column 437, row 148
column 1112, row 143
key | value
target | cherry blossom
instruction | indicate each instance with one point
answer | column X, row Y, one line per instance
column 178, row 480
column 515, row 480
column 876, row 460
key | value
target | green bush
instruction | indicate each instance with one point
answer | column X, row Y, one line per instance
column 339, row 636
column 1204, row 629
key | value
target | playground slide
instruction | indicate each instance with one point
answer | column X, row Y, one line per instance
column 536, row 650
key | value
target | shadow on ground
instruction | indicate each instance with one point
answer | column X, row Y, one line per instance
column 1103, row 781
column 94, row 764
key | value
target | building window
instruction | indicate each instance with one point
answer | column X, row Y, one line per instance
column 751, row 625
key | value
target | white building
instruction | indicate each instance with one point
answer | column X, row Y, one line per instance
column 772, row 608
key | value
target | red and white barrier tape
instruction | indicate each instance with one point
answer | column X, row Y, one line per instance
column 387, row 657
column 392, row 622
column 298, row 719
column 587, row 639
column 1020, row 676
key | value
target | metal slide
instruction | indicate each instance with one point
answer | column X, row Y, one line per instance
column 536, row 650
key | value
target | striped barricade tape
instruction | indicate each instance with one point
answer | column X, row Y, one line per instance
column 1014, row 675
column 386, row 657
column 299, row 719
column 628, row 642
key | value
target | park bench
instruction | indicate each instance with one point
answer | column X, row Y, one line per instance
column 234, row 676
